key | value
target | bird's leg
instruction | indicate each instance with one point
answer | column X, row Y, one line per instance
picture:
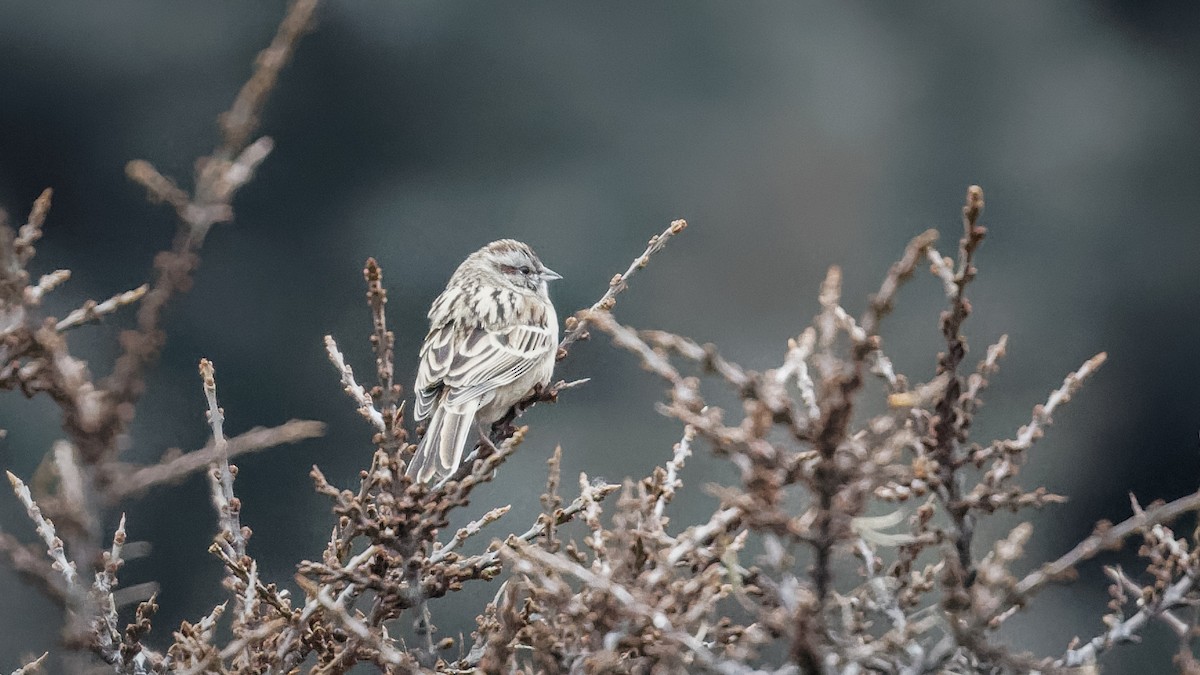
column 503, row 428
column 485, row 441
column 541, row 393
column 486, row 447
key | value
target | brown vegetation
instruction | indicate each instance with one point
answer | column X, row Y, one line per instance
column 790, row 573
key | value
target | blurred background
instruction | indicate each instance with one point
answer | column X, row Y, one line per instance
column 791, row 137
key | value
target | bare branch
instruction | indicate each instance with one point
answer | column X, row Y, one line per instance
column 1126, row 630
column 240, row 122
column 366, row 406
column 1105, row 537
column 882, row 302
column 682, row 450
column 471, row 529
column 1031, row 432
column 228, row 506
column 48, row 282
column 32, row 667
column 109, row 644
column 136, row 480
column 577, row 324
column 31, row 231
column 45, row 529
column 93, row 311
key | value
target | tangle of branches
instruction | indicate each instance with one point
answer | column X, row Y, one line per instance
column 788, row 574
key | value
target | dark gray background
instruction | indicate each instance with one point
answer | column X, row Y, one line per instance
column 791, row 137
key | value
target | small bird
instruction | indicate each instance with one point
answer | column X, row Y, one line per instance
column 493, row 335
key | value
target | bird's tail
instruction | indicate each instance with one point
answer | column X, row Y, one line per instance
column 441, row 449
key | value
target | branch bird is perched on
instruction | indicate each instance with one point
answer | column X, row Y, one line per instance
column 492, row 339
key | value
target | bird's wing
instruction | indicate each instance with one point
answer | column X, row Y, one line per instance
column 473, row 362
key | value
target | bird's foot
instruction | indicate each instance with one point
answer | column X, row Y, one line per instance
column 486, row 445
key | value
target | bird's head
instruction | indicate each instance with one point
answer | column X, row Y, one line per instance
column 516, row 265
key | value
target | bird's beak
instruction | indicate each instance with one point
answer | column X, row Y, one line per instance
column 549, row 274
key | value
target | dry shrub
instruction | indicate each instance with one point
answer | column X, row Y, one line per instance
column 760, row 585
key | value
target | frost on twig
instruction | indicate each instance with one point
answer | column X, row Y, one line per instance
column 670, row 480
column 98, row 602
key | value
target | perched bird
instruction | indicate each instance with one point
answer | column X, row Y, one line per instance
column 493, row 335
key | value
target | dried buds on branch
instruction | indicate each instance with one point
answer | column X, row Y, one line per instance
column 846, row 543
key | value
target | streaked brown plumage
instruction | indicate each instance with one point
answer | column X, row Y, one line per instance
column 493, row 334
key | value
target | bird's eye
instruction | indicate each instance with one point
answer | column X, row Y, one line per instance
column 525, row 270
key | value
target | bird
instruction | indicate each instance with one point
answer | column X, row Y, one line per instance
column 493, row 338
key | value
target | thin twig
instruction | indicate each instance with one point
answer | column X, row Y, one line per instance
column 228, row 506
column 136, row 480
column 33, row 666
column 239, row 123
column 366, row 406
column 653, row 616
column 31, row 231
column 107, row 630
column 492, row 558
column 383, row 342
column 882, row 302
column 93, row 311
column 1042, row 414
column 682, row 450
column 47, row 283
column 796, row 365
column 471, row 529
column 1126, row 630
column 577, row 325
column 1105, row 537
column 45, row 529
